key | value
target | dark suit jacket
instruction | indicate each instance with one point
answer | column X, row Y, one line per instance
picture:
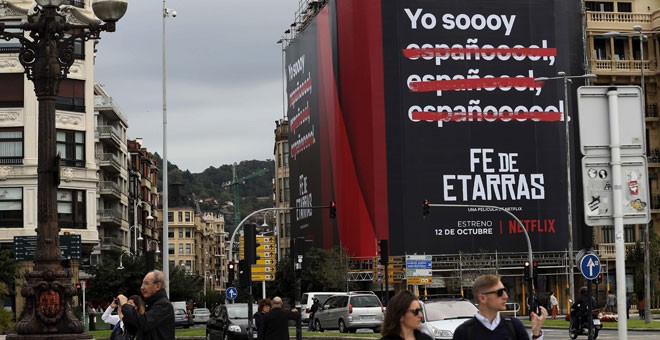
column 276, row 324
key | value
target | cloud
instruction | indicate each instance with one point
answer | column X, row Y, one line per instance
column 224, row 85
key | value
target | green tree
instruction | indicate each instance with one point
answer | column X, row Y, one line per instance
column 6, row 322
column 108, row 281
column 9, row 272
column 635, row 259
column 183, row 286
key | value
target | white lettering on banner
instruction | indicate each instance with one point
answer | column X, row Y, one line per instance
column 474, row 74
column 297, row 67
column 462, row 22
column 494, row 176
column 304, row 199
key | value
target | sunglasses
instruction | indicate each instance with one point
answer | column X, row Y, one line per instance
column 416, row 311
column 499, row 292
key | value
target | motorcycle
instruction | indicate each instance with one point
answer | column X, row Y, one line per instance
column 582, row 328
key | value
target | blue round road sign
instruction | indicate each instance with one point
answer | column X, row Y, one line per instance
column 231, row 293
column 590, row 266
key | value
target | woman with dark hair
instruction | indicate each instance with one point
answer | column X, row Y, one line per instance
column 123, row 331
column 403, row 318
column 262, row 309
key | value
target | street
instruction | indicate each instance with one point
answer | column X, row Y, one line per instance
column 555, row 334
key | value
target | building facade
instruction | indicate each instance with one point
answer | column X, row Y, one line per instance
column 281, row 190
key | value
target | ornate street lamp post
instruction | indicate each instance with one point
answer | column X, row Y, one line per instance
column 47, row 54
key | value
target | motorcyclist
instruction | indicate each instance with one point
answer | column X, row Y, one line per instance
column 580, row 307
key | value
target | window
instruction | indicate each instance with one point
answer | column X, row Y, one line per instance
column 188, row 249
column 180, row 232
column 624, row 7
column 285, row 157
column 608, row 234
column 601, row 49
column 71, row 209
column 629, row 233
column 71, row 147
column 11, row 208
column 71, row 96
column 180, row 216
column 188, row 233
column 170, row 250
column 599, row 6
column 11, row 88
column 279, row 155
column 180, row 248
column 11, row 146
column 286, row 189
column 187, row 216
column 170, row 216
column 170, row 233
column 188, row 266
column 13, row 45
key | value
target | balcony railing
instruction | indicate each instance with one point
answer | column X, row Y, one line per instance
column 633, row 66
column 109, row 160
column 110, row 132
column 618, row 17
column 109, row 215
column 11, row 160
column 111, row 188
column 608, row 250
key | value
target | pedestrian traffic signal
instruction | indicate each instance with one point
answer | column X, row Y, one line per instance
column 526, row 271
column 250, row 244
column 426, row 208
column 383, row 252
column 535, row 269
column 333, row 209
column 599, row 278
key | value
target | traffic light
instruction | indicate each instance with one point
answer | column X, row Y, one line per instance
column 230, row 274
column 599, row 279
column 426, row 208
column 333, row 209
column 244, row 273
column 384, row 252
column 250, row 244
column 526, row 271
column 535, row 269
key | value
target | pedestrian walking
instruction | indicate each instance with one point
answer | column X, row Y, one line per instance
column 554, row 303
column 628, row 305
column 403, row 318
column 276, row 321
column 157, row 322
column 641, row 306
column 262, row 309
column 491, row 295
column 611, row 302
column 312, row 312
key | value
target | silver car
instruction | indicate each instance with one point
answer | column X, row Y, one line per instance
column 442, row 317
column 201, row 315
column 348, row 313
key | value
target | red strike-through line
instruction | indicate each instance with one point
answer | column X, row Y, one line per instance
column 303, row 115
column 543, row 116
column 427, row 52
column 471, row 84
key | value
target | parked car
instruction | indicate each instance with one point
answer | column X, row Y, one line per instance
column 229, row 322
column 307, row 300
column 349, row 312
column 442, row 317
column 182, row 318
column 201, row 315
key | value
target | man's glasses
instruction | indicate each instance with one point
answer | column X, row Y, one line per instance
column 499, row 292
column 416, row 311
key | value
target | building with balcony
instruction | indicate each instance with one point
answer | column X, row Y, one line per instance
column 614, row 54
column 143, row 197
column 77, row 197
column 112, row 157
column 281, row 190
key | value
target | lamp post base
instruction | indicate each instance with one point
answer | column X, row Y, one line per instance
column 48, row 293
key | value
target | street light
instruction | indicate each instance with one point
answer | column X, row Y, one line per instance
column 205, row 276
column 121, row 264
column 166, row 264
column 647, row 255
column 567, row 79
column 156, row 242
column 46, row 54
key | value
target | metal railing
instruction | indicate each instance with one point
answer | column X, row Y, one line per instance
column 616, row 17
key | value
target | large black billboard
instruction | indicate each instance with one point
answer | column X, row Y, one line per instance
column 468, row 124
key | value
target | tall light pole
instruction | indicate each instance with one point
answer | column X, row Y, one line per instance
column 46, row 54
column 571, row 260
column 166, row 263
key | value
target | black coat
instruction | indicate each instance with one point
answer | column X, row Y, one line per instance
column 276, row 324
column 418, row 336
column 157, row 322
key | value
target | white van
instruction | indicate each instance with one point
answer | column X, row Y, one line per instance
column 306, row 302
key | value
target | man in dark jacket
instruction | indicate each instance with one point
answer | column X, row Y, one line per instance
column 492, row 296
column 157, row 322
column 276, row 322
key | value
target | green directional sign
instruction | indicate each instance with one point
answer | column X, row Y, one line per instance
column 25, row 247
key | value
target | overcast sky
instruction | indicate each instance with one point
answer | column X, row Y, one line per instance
column 224, row 77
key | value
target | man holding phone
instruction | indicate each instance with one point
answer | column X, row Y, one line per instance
column 157, row 322
column 491, row 295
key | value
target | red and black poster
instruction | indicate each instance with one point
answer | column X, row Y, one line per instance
column 415, row 99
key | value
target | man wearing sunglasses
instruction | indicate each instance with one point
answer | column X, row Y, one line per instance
column 491, row 295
